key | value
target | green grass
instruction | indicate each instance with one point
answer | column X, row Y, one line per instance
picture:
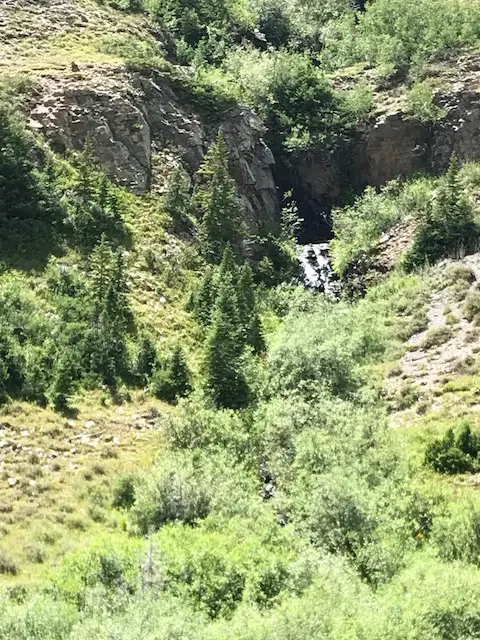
column 73, row 488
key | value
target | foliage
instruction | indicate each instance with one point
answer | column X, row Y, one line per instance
column 421, row 102
column 447, row 227
column 225, row 379
column 94, row 205
column 218, row 204
column 398, row 36
column 281, row 504
column 177, row 199
column 359, row 227
column 171, row 381
column 325, row 353
column 454, row 455
column 297, row 102
column 186, row 487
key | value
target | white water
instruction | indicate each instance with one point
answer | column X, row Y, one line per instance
column 317, row 272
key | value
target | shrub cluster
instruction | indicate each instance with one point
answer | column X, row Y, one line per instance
column 452, row 454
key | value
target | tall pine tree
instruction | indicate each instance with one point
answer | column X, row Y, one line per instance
column 247, row 307
column 225, row 345
column 218, row 204
column 108, row 289
column 177, row 200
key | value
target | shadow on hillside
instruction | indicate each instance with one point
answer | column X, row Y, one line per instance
column 27, row 244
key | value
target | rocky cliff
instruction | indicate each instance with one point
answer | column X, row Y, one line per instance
column 140, row 127
column 141, row 124
column 392, row 145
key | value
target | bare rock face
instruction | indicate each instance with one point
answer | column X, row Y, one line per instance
column 129, row 117
column 114, row 123
column 251, row 163
column 459, row 131
column 395, row 146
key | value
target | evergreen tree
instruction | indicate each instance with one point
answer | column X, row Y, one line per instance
column 249, row 317
column 228, row 268
column 448, row 227
column 203, row 300
column 216, row 198
column 146, row 357
column 180, row 375
column 225, row 344
column 95, row 205
column 177, row 199
column 86, row 181
column 173, row 380
column 108, row 289
column 101, row 272
column 468, row 442
column 65, row 379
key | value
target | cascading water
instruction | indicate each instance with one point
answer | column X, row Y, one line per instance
column 317, row 271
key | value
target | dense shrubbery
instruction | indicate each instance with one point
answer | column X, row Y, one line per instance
column 396, row 36
column 440, row 214
column 447, row 228
column 454, row 455
column 293, row 516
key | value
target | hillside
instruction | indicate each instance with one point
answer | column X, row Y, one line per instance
column 194, row 443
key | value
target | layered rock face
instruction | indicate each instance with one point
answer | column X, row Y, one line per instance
column 392, row 146
column 130, row 117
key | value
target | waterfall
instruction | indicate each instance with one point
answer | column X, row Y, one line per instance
column 317, row 271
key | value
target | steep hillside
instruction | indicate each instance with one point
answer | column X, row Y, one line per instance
column 193, row 444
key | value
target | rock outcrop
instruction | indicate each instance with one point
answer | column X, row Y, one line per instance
column 130, row 117
column 395, row 144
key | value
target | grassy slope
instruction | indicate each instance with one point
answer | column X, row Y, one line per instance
column 61, row 468
column 56, row 473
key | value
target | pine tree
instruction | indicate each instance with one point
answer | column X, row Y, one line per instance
column 468, row 442
column 146, row 357
column 248, row 313
column 228, row 268
column 448, row 228
column 86, row 185
column 225, row 344
column 108, row 289
column 177, row 199
column 203, row 300
column 101, row 271
column 218, row 204
column 173, row 380
column 179, row 373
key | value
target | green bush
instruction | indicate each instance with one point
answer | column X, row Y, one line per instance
column 400, row 35
column 437, row 336
column 124, row 492
column 456, row 534
column 471, row 308
column 186, row 487
column 421, row 102
column 172, row 381
column 112, row 567
column 196, row 426
column 324, row 349
column 454, row 455
column 8, row 566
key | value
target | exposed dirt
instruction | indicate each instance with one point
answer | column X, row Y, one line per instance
column 449, row 346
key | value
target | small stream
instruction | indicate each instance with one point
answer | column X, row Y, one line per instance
column 317, row 271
